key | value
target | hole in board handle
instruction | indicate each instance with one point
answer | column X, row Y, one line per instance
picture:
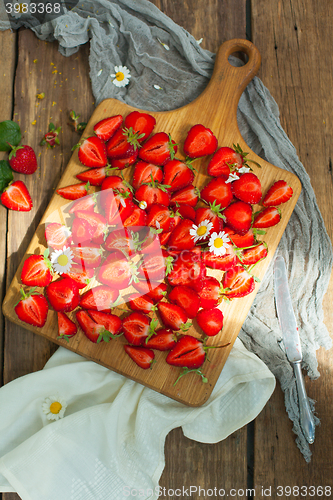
column 238, row 59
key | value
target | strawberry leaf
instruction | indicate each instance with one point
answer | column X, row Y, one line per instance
column 194, row 370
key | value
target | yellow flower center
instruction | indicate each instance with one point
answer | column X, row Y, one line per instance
column 62, row 260
column 218, row 243
column 201, row 230
column 55, row 407
column 120, row 76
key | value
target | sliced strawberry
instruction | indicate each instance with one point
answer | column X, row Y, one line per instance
column 153, row 193
column 189, row 270
column 56, row 235
column 117, row 207
column 209, row 214
column 122, row 144
column 88, row 256
column 116, row 183
column 189, row 352
column 187, row 298
column 153, row 267
column 210, row 295
column 142, row 356
column 111, row 322
column 224, row 160
column 32, row 308
column 98, row 222
column 224, row 263
column 246, row 240
column 237, row 283
column 92, row 152
column 136, row 328
column 173, row 316
column 85, row 204
column 80, row 275
column 153, row 290
column 121, row 163
column 180, row 238
column 268, row 217
column 159, row 149
column 82, row 231
column 188, row 195
column 116, row 271
column 145, row 172
column 247, row 188
column 253, row 255
column 66, row 327
column 141, row 303
column 279, row 193
column 218, row 191
column 186, row 211
column 95, row 176
column 63, row 294
column 137, row 218
column 200, row 141
column 16, row 197
column 160, row 217
column 74, row 191
column 92, row 330
column 105, row 128
column 164, row 340
column 210, row 321
column 36, row 271
column 101, row 298
column 119, row 239
column 239, row 217
column 177, row 175
column 142, row 123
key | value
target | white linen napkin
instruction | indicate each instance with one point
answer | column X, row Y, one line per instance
column 110, row 442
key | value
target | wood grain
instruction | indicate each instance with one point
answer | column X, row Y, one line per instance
column 215, row 108
column 290, row 36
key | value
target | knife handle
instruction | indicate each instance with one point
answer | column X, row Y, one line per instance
column 306, row 416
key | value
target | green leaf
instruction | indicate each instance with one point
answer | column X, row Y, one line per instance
column 6, row 174
column 9, row 132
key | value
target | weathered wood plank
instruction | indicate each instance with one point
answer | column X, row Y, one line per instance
column 290, row 37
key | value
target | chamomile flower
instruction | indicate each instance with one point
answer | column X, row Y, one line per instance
column 218, row 243
column 61, row 260
column 244, row 170
column 54, row 407
column 232, row 177
column 121, row 76
column 201, row 231
column 143, row 205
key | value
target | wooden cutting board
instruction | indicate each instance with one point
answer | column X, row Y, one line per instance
column 215, row 108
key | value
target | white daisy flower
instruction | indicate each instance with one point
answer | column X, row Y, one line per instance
column 232, row 177
column 218, row 243
column 164, row 44
column 143, row 205
column 54, row 407
column 201, row 231
column 121, row 76
column 244, row 170
column 62, row 260
column 157, row 87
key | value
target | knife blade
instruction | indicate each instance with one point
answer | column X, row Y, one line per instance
column 292, row 344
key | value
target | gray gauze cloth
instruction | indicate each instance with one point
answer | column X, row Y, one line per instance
column 168, row 70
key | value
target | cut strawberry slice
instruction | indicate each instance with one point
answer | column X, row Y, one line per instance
column 122, row 144
column 224, row 160
column 177, row 175
column 92, row 330
column 152, row 290
column 239, row 217
column 141, row 303
column 36, row 271
column 88, row 256
column 82, row 231
column 117, row 184
column 32, row 308
column 181, row 238
column 237, row 283
column 85, row 204
column 111, row 322
column 247, row 188
column 145, row 172
column 142, row 123
column 279, row 193
column 153, row 193
column 66, row 327
column 122, row 163
column 159, row 217
column 224, row 263
column 159, row 149
column 187, row 298
column 74, row 191
column 95, row 176
column 63, row 295
column 200, row 141
column 119, row 239
column 116, row 271
column 56, row 235
column 105, row 128
column 153, row 267
column 246, row 240
column 97, row 221
column 136, row 328
column 189, row 270
column 80, row 275
column 92, row 152
column 268, row 217
column 173, row 316
column 210, row 295
column 188, row 195
column 101, row 298
column 189, row 352
column 16, row 197
column 117, row 207
column 218, row 191
column 164, row 340
column 142, row 356
column 210, row 321
column 253, row 255
column 213, row 216
column 137, row 218
column 186, row 211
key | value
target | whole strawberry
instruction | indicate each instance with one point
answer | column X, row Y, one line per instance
column 22, row 159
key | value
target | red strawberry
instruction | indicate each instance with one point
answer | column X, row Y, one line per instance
column 268, row 217
column 56, row 235
column 200, row 141
column 95, row 176
column 117, row 207
column 163, row 340
column 117, row 184
column 121, row 163
column 80, row 275
column 119, row 239
column 138, row 217
column 186, row 211
column 82, row 231
column 160, row 217
column 74, row 191
column 187, row 298
column 177, row 175
column 136, row 328
column 224, row 160
column 32, row 308
column 173, row 316
column 247, row 188
column 224, row 263
column 92, row 152
column 36, row 271
column 210, row 295
column 98, row 222
column 153, row 267
column 22, row 159
column 189, row 195
column 143, row 123
column 153, row 290
column 253, row 255
column 213, row 215
column 16, row 197
column 88, row 256
column 159, row 149
column 66, row 327
column 180, row 238
column 122, row 144
column 239, row 217
column 85, row 204
column 279, row 193
column 218, row 191
column 101, row 298
column 237, row 283
column 111, row 322
column 105, row 128
column 189, row 352
column 189, row 270
column 153, row 193
column 239, row 241
column 63, row 294
column 144, row 172
column 142, row 356
column 116, row 271
column 93, row 331
column 141, row 303
column 210, row 321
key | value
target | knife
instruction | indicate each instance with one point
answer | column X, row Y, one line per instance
column 292, row 344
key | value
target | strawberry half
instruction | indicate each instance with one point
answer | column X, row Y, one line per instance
column 56, row 235
column 239, row 217
column 200, row 141
column 138, row 218
column 119, row 239
column 177, row 175
column 74, row 191
column 142, row 123
column 187, row 298
column 116, row 183
column 66, row 327
column 123, row 144
column 224, row 262
column 32, row 308
column 121, row 163
column 247, row 188
column 173, row 316
column 186, row 211
column 88, row 256
column 218, row 191
column 36, row 271
column 210, row 295
column 95, row 332
column 95, row 176
column 153, row 290
column 97, row 221
column 145, row 172
column 142, row 356
column 188, row 195
column 180, row 238
column 82, row 231
column 268, row 217
column 111, row 322
column 240, row 241
column 154, row 267
column 253, row 255
column 237, row 283
column 159, row 149
column 152, row 193
column 223, row 162
column 141, row 303
column 101, row 298
column 136, row 328
column 164, row 340
column 279, row 193
column 85, row 204
column 210, row 321
column 116, row 271
column 189, row 352
column 160, row 217
column 213, row 214
column 92, row 152
column 189, row 270
column 105, row 128
column 16, row 197
column 63, row 295
column 80, row 275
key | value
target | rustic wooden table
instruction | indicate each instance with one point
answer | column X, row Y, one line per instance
column 291, row 37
